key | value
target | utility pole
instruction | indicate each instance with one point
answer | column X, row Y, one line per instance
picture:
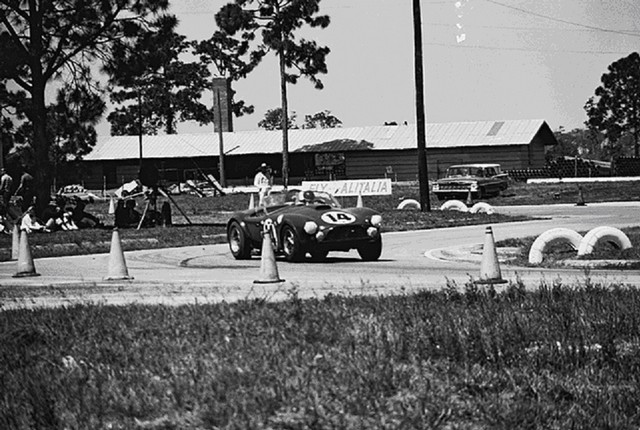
column 223, row 181
column 423, row 176
column 140, row 125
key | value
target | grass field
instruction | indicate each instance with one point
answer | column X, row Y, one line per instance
column 557, row 357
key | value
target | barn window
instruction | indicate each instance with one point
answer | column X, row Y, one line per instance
column 495, row 128
column 331, row 164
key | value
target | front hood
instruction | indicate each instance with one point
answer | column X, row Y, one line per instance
column 329, row 216
column 457, row 181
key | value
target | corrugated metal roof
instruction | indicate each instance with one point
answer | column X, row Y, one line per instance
column 445, row 135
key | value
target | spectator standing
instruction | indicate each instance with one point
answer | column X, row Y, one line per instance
column 262, row 181
column 6, row 186
column 26, row 190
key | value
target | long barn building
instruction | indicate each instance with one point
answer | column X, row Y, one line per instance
column 320, row 154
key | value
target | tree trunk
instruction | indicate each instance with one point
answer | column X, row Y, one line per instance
column 41, row 169
column 285, row 120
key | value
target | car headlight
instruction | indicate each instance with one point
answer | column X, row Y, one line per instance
column 435, row 187
column 310, row 227
column 474, row 186
column 280, row 218
column 373, row 232
column 376, row 220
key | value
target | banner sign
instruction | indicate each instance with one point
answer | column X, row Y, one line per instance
column 363, row 187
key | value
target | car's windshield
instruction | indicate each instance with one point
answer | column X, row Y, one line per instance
column 281, row 197
column 458, row 171
column 316, row 198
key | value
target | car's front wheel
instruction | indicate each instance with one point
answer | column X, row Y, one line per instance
column 371, row 251
column 291, row 246
column 238, row 243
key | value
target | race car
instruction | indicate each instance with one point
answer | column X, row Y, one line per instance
column 305, row 222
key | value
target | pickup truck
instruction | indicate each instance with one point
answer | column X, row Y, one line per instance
column 482, row 180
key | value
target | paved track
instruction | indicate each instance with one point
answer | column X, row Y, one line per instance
column 410, row 261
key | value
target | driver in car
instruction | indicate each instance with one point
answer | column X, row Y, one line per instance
column 305, row 197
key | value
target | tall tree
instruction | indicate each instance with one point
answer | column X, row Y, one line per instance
column 153, row 84
column 278, row 21
column 322, row 119
column 45, row 40
column 273, row 120
column 615, row 108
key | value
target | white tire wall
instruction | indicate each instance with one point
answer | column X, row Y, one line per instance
column 409, row 204
column 608, row 234
column 454, row 205
column 552, row 236
column 482, row 207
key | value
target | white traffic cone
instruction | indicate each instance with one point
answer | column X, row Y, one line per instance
column 469, row 201
column 489, row 267
column 252, row 202
column 359, row 203
column 25, row 262
column 15, row 242
column 268, row 268
column 117, row 269
column 112, row 206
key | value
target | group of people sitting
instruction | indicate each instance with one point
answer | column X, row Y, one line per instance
column 57, row 216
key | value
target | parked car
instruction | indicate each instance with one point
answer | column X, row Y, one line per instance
column 304, row 222
column 482, row 180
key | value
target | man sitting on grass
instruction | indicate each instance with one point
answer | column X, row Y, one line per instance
column 30, row 223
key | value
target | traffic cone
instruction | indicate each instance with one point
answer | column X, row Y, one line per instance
column 252, row 202
column 268, row 268
column 359, row 204
column 117, row 266
column 489, row 267
column 469, row 201
column 25, row 262
column 112, row 206
column 15, row 242
column 580, row 201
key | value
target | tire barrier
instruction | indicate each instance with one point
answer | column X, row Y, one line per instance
column 482, row 207
column 454, row 205
column 608, row 234
column 409, row 204
column 554, row 235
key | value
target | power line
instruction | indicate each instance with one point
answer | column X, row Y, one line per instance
column 577, row 24
column 501, row 27
column 496, row 48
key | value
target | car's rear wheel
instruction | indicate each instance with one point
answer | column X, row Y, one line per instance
column 291, row 246
column 371, row 251
column 238, row 243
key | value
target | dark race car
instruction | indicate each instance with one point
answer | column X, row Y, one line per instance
column 304, row 222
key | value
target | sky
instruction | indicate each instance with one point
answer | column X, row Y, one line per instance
column 484, row 60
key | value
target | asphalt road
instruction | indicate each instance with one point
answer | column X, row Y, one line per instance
column 428, row 259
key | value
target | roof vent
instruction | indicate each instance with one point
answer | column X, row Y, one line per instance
column 495, row 128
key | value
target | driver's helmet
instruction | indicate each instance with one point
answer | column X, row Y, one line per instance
column 306, row 196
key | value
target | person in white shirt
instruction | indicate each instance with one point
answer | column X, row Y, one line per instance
column 30, row 223
column 262, row 181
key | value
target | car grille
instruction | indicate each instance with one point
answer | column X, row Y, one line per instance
column 453, row 186
column 343, row 233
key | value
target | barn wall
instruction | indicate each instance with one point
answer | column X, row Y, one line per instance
column 395, row 164
column 403, row 165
